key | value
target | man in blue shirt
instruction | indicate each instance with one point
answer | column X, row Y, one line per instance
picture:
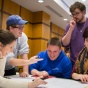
column 54, row 63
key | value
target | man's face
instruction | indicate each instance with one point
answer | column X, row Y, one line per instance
column 78, row 15
column 53, row 51
column 17, row 30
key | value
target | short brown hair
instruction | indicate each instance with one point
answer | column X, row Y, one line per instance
column 85, row 33
column 78, row 5
column 54, row 41
column 8, row 27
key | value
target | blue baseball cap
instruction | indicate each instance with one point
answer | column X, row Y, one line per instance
column 15, row 19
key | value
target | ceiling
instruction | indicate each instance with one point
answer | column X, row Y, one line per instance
column 57, row 9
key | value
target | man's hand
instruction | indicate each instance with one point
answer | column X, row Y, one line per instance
column 44, row 73
column 72, row 24
column 34, row 59
column 40, row 74
column 24, row 74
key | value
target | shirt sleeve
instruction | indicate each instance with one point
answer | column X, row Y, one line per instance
column 10, row 83
column 34, row 66
column 9, row 57
column 24, row 47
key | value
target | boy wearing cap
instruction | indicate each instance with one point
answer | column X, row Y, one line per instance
column 15, row 24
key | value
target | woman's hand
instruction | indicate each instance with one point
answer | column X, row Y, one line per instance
column 83, row 78
column 36, row 83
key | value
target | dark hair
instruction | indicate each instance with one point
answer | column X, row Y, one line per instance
column 14, row 25
column 6, row 37
column 78, row 5
column 54, row 41
column 85, row 33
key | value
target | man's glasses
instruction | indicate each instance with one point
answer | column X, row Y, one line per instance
column 75, row 14
column 19, row 27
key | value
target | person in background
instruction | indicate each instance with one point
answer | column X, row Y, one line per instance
column 15, row 24
column 74, row 30
column 54, row 63
column 7, row 43
column 67, row 52
column 80, row 70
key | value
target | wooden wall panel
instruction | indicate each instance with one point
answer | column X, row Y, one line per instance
column 54, row 35
column 37, row 17
column 55, row 28
column 45, row 31
column 0, row 4
column 46, row 18
column 36, row 46
column 0, row 21
column 61, row 31
column 26, row 14
column 28, row 30
column 5, row 16
column 43, row 45
column 60, row 37
column 11, row 7
column 56, row 31
column 37, row 30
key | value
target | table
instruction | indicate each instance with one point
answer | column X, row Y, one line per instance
column 54, row 82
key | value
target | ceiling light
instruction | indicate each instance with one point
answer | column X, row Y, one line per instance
column 65, row 19
column 83, row 0
column 40, row 1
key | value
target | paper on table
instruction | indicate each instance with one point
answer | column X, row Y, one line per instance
column 17, row 77
column 86, row 87
column 28, row 79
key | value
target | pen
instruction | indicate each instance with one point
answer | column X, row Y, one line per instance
column 40, row 78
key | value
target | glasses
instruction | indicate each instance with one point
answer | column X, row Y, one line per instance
column 75, row 14
column 19, row 27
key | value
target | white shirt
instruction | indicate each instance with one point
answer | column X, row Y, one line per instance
column 9, row 83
